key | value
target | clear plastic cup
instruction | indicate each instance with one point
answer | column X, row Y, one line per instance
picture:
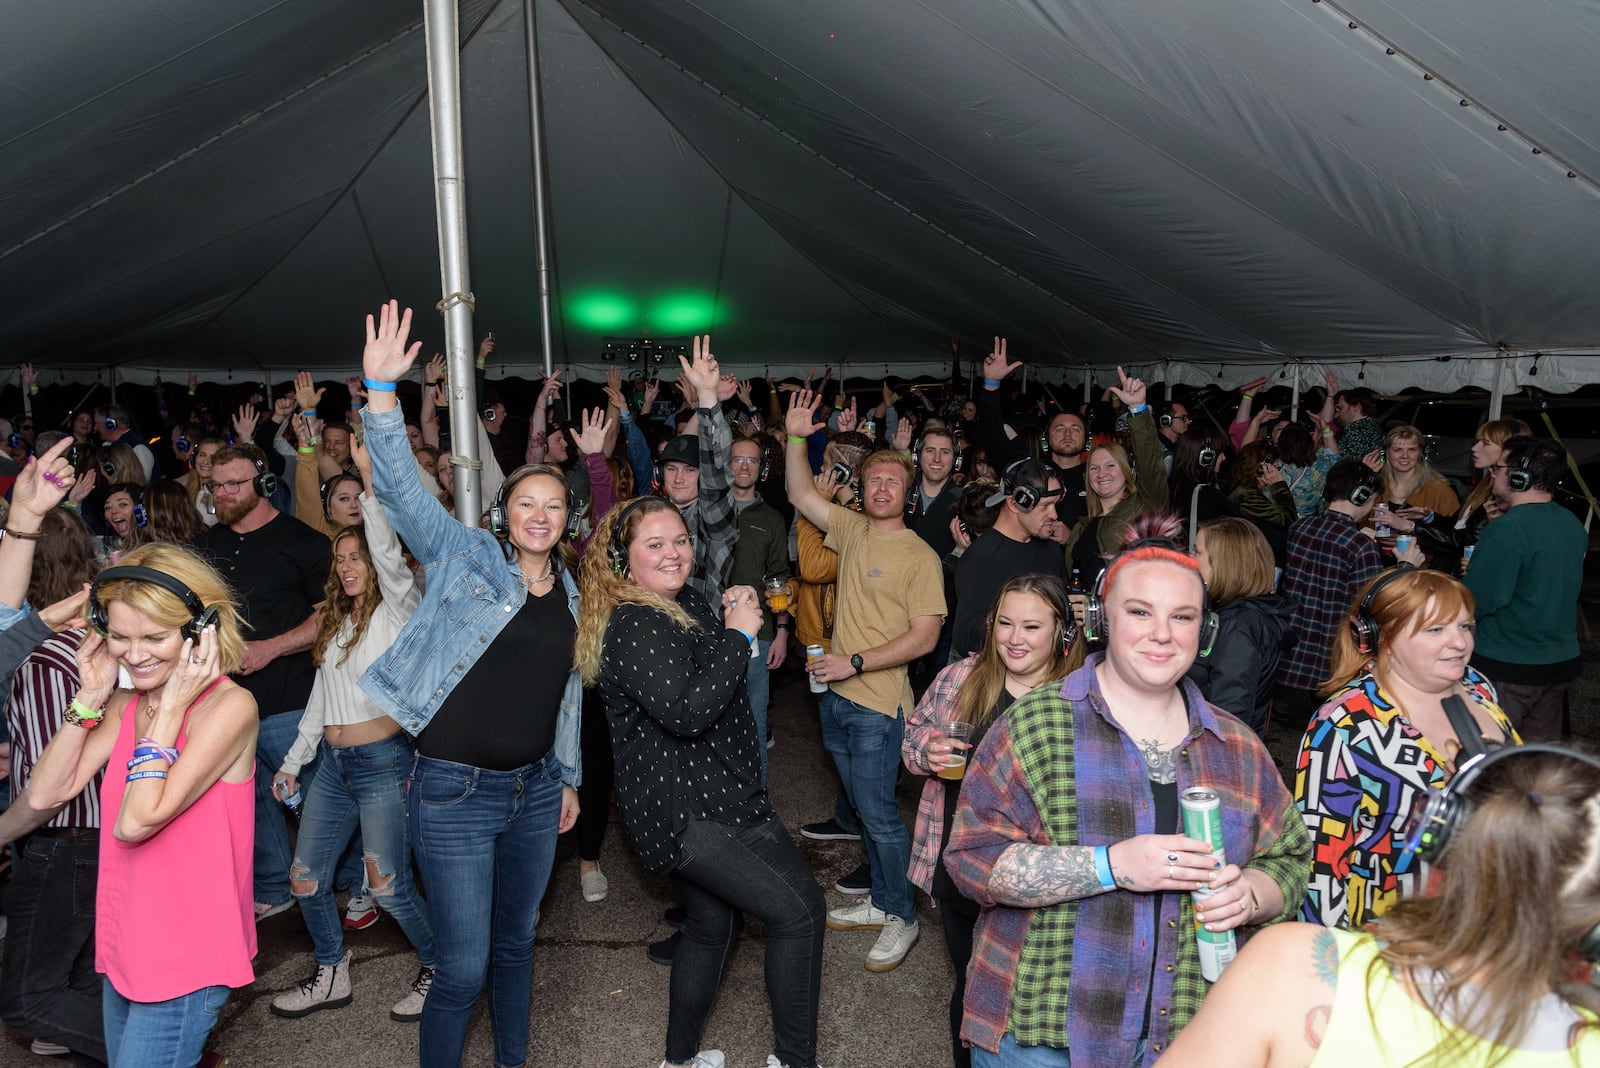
column 957, row 730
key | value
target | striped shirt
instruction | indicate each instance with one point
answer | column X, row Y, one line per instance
column 1329, row 561
column 41, row 691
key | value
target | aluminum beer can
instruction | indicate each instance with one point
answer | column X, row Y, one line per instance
column 813, row 654
column 1202, row 820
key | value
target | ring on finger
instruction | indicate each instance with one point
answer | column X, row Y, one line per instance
column 1172, row 858
column 1169, row 871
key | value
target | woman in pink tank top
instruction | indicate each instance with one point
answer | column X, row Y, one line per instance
column 175, row 922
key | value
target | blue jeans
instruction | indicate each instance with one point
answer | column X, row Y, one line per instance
column 359, row 786
column 160, row 1034
column 274, row 739
column 725, row 871
column 48, row 986
column 1012, row 1055
column 485, row 842
column 759, row 687
column 865, row 746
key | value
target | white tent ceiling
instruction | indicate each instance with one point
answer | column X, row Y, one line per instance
column 232, row 183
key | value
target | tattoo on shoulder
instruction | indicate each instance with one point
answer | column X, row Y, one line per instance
column 1325, row 957
column 1036, row 875
column 1317, row 1024
column 1161, row 764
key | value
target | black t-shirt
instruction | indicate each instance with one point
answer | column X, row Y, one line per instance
column 943, row 887
column 502, row 714
column 930, row 520
column 990, row 563
column 280, row 573
column 1072, row 506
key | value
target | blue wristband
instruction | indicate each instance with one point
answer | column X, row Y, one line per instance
column 1102, row 867
column 991, row 383
column 379, row 387
column 1141, row 408
column 136, row 776
column 747, row 635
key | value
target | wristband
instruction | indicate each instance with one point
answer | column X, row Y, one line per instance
column 144, row 757
column 1328, row 430
column 1140, row 408
column 33, row 389
column 191, row 393
column 1247, row 396
column 991, row 383
column 625, row 415
column 307, row 450
column 1102, row 867
column 379, row 387
column 136, row 776
column 751, row 409
column 796, row 441
column 166, row 752
column 312, row 414
column 25, row 535
column 751, row 638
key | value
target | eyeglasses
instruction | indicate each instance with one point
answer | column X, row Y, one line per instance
column 1499, row 467
column 232, row 485
column 747, row 461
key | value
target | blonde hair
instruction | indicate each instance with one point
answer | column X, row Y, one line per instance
column 1424, row 471
column 166, row 608
column 890, row 458
column 975, row 703
column 1495, row 432
column 1481, row 946
column 1241, row 559
column 602, row 586
column 1120, row 455
column 1400, row 604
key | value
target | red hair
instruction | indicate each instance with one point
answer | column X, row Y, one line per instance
column 1151, row 537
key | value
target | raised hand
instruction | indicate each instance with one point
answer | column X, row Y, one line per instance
column 43, row 481
column 1331, row 381
column 485, row 347
column 995, row 365
column 30, row 377
column 902, row 436
column 727, row 386
column 828, row 483
column 1374, row 460
column 283, row 407
column 651, row 388
column 306, row 393
column 244, row 422
column 83, row 487
column 616, row 401
column 591, row 438
column 309, row 429
column 357, row 390
column 801, row 420
column 1131, row 391
column 744, row 392
column 97, row 671
column 193, row 382
column 433, row 373
column 848, row 417
column 550, row 388
column 362, row 459
column 1253, row 385
column 1267, row 415
column 701, row 374
column 387, row 356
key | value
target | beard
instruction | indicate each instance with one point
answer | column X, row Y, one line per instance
column 231, row 513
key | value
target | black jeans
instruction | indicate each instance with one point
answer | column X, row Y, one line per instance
column 48, row 988
column 594, row 793
column 727, row 870
column 959, row 917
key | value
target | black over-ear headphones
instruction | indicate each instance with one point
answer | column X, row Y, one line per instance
column 499, row 511
column 1367, row 488
column 1024, row 496
column 1095, row 620
column 1364, row 625
column 265, row 483
column 1445, row 812
column 1208, row 451
column 1519, row 479
column 327, row 492
column 201, row 617
column 616, row 548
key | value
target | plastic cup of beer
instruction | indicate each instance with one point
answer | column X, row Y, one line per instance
column 777, row 594
column 956, row 730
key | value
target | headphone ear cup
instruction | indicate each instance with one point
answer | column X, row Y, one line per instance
column 1025, row 498
column 1364, row 629
column 1094, row 619
column 1210, row 624
column 140, row 516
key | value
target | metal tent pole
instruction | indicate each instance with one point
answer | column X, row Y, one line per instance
column 1294, row 403
column 444, row 108
column 540, row 197
column 1497, row 395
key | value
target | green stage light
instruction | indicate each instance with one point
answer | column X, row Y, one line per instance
column 603, row 310
column 687, row 311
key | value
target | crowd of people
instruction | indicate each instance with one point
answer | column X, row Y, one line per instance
column 251, row 669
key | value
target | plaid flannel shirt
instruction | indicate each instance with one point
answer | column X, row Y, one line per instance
column 1329, row 561
column 923, row 722
column 711, row 519
column 1113, row 955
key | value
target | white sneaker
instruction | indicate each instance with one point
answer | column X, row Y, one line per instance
column 41, row 1048
column 328, row 988
column 892, row 945
column 860, row 915
column 594, row 885
column 409, row 1010
column 265, row 911
column 706, row 1058
column 360, row 912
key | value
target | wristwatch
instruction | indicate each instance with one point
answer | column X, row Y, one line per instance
column 857, row 663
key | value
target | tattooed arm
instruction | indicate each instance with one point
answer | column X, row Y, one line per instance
column 1029, row 876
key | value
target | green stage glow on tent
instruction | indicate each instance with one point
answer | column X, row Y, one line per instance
column 684, row 312
column 603, row 310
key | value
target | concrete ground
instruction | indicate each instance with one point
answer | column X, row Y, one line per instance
column 599, row 1003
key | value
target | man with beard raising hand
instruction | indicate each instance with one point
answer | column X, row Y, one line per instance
column 278, row 566
column 1066, row 435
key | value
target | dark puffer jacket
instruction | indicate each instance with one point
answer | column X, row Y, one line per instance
column 1239, row 674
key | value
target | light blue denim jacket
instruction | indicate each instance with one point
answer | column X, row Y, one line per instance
column 473, row 591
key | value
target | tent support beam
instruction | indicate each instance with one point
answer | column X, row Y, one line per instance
column 1497, row 395
column 444, row 112
column 541, row 222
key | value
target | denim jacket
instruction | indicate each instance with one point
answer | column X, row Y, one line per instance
column 473, row 591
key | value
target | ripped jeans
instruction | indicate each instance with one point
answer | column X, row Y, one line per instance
column 365, row 785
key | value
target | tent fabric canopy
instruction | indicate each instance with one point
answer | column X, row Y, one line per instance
column 207, row 184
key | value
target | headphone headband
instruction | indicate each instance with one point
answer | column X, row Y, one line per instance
column 1364, row 625
column 100, row 617
column 616, row 549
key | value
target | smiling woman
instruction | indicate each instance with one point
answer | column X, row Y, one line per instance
column 1381, row 739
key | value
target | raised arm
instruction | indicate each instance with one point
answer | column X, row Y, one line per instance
column 1148, row 455
column 40, row 487
column 800, row 424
